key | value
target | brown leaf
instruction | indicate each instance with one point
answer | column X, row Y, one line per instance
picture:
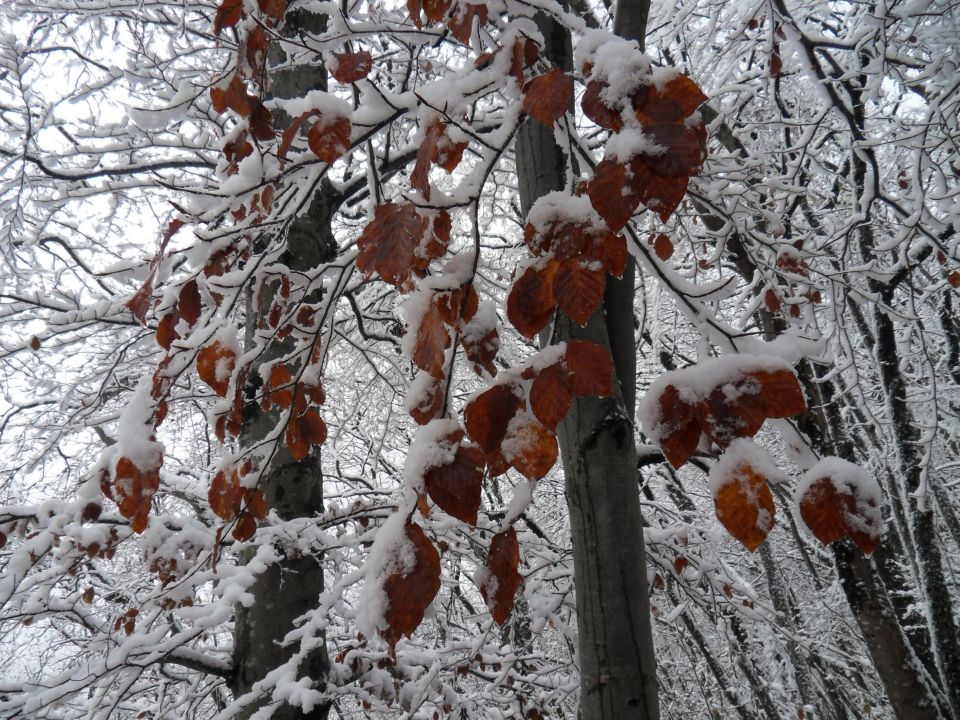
column 433, row 338
column 237, row 98
column 610, row 250
column 274, row 8
column 461, row 24
column 329, row 138
column 352, row 67
column 550, row 396
column 431, row 403
column 530, row 447
column 133, row 490
column 245, row 528
column 531, row 301
column 189, row 304
column 397, row 242
column 481, row 350
column 166, row 333
column 598, row 111
column 745, row 506
column 420, row 177
column 215, row 364
column 503, row 577
column 455, row 487
column 681, row 432
column 486, row 416
column 578, row 288
column 612, row 193
column 228, row 14
column 436, row 10
column 409, row 593
column 663, row 247
column 225, row 494
column 590, row 368
column 547, row 96
column 261, row 121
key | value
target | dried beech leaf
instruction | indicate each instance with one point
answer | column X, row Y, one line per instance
column 502, row 578
column 598, row 111
column 781, row 393
column 433, row 339
column 461, row 24
column 397, row 242
column 590, row 368
column 228, row 14
column 245, row 528
column 420, row 177
column 531, row 301
column 547, row 97
column 430, row 403
column 681, row 431
column 613, row 193
column 455, row 487
column 663, row 247
column 225, row 494
column 486, row 416
column 330, row 139
column 745, row 506
column 481, row 350
column 352, row 67
column 215, row 364
column 578, row 288
column 530, row 447
column 409, row 593
column 550, row 396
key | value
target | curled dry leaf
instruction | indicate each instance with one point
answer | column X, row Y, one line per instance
column 502, row 577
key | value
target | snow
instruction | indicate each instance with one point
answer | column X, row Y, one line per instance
column 135, row 433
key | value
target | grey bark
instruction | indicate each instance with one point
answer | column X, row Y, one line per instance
column 291, row 587
column 617, row 666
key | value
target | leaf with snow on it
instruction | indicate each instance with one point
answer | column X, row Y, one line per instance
column 837, row 498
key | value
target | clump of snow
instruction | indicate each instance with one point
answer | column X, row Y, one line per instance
column 694, row 384
column 418, row 394
column 560, row 208
column 135, row 432
column 629, row 142
column 327, row 104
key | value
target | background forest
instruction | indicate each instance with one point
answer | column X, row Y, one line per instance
column 523, row 359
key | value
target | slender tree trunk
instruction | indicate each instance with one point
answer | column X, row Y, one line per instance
column 290, row 587
column 617, row 666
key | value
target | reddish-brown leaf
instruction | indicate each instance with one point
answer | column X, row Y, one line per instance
column 352, row 67
column 578, row 288
column 745, row 506
column 218, row 98
column 228, row 14
column 189, row 305
column 420, row 177
column 273, row 8
column 430, row 403
column 676, row 100
column 312, row 427
column 822, row 509
column 613, row 193
column 771, row 300
column 531, row 301
column 436, row 10
column 433, row 338
column 481, row 350
column 133, row 489
column 663, row 247
column 680, row 433
column 547, row 96
column 686, row 149
column 237, row 98
column 280, row 381
column 610, row 250
column 503, row 577
column 597, row 110
column 590, row 368
column 410, row 592
column 530, row 447
column 486, row 416
column 733, row 410
column 781, row 393
column 455, row 487
column 166, row 333
column 329, row 138
column 215, row 364
column 245, row 528
column 550, row 396
column 261, row 121
column 225, row 494
column 393, row 244
column 461, row 24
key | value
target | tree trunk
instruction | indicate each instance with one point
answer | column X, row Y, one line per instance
column 617, row 666
column 289, row 588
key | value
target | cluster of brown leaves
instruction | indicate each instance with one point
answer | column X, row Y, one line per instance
column 230, row 500
column 730, row 410
column 401, row 241
column 658, row 180
column 132, row 489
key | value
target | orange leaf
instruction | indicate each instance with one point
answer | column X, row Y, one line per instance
column 215, row 364
column 329, row 139
column 352, row 67
column 245, row 528
column 486, row 416
column 530, row 447
column 218, row 98
column 410, row 592
column 781, row 393
column 550, row 396
column 237, row 98
column 744, row 505
column 590, row 368
column 578, row 288
column 547, row 96
column 531, row 301
column 502, row 578
column 281, row 377
column 823, row 511
column 133, row 489
column 455, row 487
column 225, row 494
column 838, row 498
column 436, row 10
